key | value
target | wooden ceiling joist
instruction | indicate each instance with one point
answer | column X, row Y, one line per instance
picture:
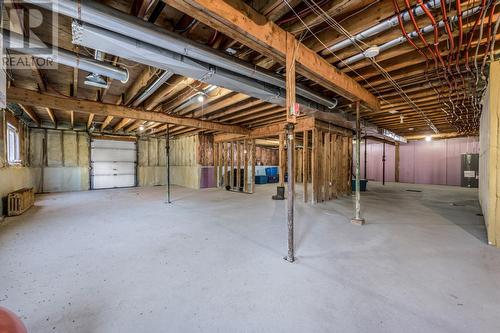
column 30, row 97
column 241, row 22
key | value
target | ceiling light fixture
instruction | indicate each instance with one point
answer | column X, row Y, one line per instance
column 428, row 138
column 200, row 98
column 141, row 128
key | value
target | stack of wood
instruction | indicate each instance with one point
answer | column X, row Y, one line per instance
column 20, row 201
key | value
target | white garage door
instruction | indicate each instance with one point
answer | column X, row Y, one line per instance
column 113, row 163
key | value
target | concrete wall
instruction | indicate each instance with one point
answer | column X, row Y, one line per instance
column 436, row 162
column 489, row 158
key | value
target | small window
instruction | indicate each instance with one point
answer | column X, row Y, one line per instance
column 13, row 147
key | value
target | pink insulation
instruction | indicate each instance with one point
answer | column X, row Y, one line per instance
column 435, row 162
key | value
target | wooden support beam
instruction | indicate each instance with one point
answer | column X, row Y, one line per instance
column 245, row 165
column 281, row 158
column 124, row 123
column 221, row 164
column 90, row 120
column 303, row 123
column 216, row 163
column 238, row 164
column 106, row 122
column 231, row 171
column 253, row 161
column 29, row 111
column 239, row 21
column 139, row 83
column 326, row 169
column 314, row 166
column 305, row 163
column 50, row 113
column 30, row 97
column 291, row 53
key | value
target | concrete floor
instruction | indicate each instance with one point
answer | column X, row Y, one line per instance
column 123, row 261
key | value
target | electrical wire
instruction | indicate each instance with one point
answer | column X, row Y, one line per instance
column 335, row 25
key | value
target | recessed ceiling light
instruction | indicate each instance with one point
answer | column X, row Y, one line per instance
column 231, row 51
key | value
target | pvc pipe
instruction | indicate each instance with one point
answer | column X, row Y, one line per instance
column 400, row 40
column 153, row 87
column 111, row 19
column 384, row 25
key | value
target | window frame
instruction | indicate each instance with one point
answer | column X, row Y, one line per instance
column 13, row 142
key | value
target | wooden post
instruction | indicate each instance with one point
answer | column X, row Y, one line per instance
column 281, row 157
column 305, row 158
column 396, row 167
column 345, row 163
column 231, row 172
column 221, row 163
column 245, row 165
column 216, row 163
column 167, row 146
column 319, row 166
column 314, row 162
column 226, row 161
column 238, row 165
column 326, row 167
column 253, row 166
column 332, row 166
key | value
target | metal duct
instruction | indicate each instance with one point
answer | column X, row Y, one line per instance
column 194, row 99
column 400, row 40
column 164, row 42
column 123, row 46
column 129, row 48
column 64, row 57
column 153, row 87
column 114, row 20
column 385, row 25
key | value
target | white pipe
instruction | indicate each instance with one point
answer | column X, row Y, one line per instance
column 14, row 41
column 111, row 19
column 153, row 87
column 385, row 25
column 400, row 40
